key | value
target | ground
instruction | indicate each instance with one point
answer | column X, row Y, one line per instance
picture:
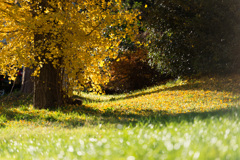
column 185, row 119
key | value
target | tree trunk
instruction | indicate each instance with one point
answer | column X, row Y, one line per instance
column 48, row 93
column 47, row 88
column 27, row 81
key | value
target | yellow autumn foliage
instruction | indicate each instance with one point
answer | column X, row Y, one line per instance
column 80, row 35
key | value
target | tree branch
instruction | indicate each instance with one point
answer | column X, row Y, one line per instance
column 11, row 4
column 93, row 29
column 9, row 31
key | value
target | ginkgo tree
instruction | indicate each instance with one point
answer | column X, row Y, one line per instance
column 64, row 41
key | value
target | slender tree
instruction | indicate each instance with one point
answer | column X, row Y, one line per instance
column 64, row 41
column 27, row 81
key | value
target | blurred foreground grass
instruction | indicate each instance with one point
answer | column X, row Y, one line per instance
column 183, row 119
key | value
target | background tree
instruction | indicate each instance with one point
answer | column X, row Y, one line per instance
column 63, row 41
column 193, row 36
column 27, row 86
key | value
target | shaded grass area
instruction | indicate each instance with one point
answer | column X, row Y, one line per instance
column 88, row 116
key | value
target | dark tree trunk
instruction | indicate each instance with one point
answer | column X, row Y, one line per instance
column 48, row 88
column 48, row 93
column 27, row 81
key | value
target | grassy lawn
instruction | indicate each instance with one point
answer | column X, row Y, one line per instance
column 183, row 119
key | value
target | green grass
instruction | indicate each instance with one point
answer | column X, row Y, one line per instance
column 195, row 119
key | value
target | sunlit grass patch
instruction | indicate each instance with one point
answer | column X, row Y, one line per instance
column 174, row 98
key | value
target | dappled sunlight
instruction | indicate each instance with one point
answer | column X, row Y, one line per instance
column 205, row 95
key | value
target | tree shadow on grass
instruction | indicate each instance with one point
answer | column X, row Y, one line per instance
column 190, row 117
column 162, row 118
column 113, row 116
column 16, row 100
column 95, row 116
column 48, row 117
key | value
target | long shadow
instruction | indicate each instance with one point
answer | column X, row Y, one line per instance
column 119, row 117
column 192, row 116
column 150, row 116
column 88, row 99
